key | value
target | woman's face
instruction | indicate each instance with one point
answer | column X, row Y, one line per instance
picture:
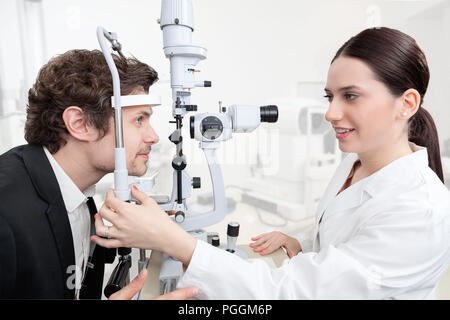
column 362, row 110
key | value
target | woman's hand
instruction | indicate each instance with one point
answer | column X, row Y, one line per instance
column 137, row 284
column 143, row 226
column 269, row 242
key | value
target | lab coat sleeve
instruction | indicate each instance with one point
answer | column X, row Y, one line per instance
column 305, row 238
column 389, row 255
column 221, row 275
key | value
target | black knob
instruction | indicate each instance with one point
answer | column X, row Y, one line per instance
column 233, row 229
column 207, row 84
column 196, row 182
column 179, row 216
column 191, row 122
column 175, row 137
column 179, row 163
column 190, row 107
column 215, row 241
column 119, row 276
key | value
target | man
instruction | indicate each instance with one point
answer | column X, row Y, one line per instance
column 46, row 186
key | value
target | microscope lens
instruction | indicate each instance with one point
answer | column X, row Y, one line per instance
column 269, row 113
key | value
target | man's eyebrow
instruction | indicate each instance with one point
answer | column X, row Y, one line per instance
column 144, row 113
column 344, row 88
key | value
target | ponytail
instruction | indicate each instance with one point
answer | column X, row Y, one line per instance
column 423, row 132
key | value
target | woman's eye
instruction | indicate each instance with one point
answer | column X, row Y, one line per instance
column 350, row 96
column 328, row 97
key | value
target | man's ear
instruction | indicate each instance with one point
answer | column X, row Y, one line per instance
column 410, row 103
column 77, row 125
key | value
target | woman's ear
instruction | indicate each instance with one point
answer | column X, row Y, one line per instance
column 77, row 125
column 410, row 103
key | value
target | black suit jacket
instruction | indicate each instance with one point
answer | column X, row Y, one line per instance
column 37, row 257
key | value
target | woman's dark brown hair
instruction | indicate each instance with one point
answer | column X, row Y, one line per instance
column 400, row 64
column 78, row 78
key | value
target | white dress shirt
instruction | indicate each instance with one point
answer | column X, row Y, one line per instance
column 79, row 217
column 386, row 236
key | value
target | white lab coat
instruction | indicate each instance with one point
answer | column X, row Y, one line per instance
column 386, row 236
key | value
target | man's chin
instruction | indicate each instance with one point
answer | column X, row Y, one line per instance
column 138, row 172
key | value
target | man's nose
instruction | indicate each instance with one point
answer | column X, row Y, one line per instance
column 334, row 112
column 151, row 136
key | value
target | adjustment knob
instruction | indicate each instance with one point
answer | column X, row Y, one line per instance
column 191, row 126
column 179, row 163
column 196, row 182
column 233, row 229
column 232, row 234
column 179, row 216
column 215, row 241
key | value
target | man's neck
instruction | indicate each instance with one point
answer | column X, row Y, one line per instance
column 77, row 166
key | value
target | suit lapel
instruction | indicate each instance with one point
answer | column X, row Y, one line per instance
column 46, row 185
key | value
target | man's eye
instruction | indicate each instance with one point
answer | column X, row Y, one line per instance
column 139, row 120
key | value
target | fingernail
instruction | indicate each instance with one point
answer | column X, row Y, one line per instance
column 92, row 239
column 195, row 291
column 262, row 252
column 95, row 216
column 135, row 188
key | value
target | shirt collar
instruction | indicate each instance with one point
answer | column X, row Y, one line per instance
column 402, row 172
column 72, row 196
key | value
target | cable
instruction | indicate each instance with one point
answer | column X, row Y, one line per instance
column 258, row 211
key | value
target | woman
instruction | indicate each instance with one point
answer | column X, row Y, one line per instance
column 383, row 226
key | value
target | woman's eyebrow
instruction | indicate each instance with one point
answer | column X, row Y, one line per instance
column 344, row 88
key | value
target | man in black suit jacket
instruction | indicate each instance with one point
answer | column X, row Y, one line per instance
column 37, row 249
column 71, row 141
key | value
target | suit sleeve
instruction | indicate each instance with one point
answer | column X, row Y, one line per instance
column 7, row 260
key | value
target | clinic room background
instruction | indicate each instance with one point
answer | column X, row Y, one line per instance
column 260, row 52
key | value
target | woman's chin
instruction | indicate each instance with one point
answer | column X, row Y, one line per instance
column 347, row 148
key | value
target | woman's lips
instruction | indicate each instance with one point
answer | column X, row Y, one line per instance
column 343, row 135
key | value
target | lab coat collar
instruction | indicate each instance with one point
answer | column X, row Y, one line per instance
column 400, row 172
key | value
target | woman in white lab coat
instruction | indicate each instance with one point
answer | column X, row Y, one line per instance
column 382, row 228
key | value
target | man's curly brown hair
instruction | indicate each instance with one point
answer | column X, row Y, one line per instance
column 79, row 78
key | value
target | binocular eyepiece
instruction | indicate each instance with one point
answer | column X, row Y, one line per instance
column 269, row 113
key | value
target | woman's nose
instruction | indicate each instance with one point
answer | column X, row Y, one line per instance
column 334, row 112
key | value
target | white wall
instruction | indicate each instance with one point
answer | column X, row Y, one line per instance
column 258, row 50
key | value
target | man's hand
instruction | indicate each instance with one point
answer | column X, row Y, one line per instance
column 144, row 226
column 137, row 284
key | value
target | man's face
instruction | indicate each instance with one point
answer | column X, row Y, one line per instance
column 138, row 137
